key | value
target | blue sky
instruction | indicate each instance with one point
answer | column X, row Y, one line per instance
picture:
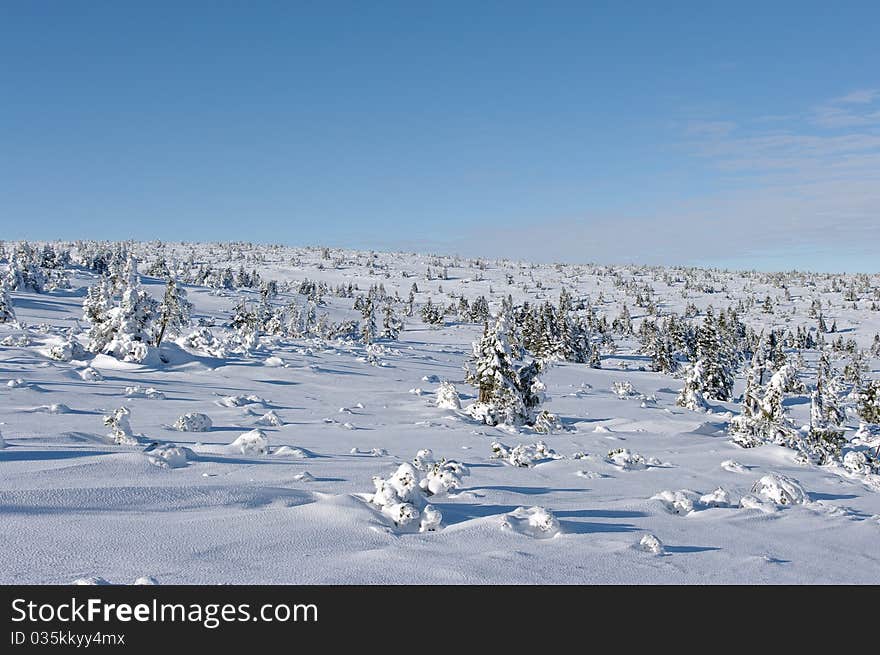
column 735, row 134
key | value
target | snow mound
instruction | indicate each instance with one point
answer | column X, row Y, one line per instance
column 55, row 408
column 274, row 362
column 16, row 383
column 168, row 456
column 780, row 490
column 288, row 451
column 524, row 455
column 733, row 466
column 254, row 442
column 241, row 401
column 626, row 460
column 138, row 391
column 91, row 581
column 679, row 502
column 270, row 418
column 193, row 422
column 305, row 476
column 90, row 374
column 146, row 580
column 651, row 544
column 535, row 522
column 718, row 498
column 447, row 396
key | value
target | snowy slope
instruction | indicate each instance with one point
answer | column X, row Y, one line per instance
column 73, row 504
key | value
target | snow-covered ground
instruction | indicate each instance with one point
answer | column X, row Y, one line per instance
column 276, row 486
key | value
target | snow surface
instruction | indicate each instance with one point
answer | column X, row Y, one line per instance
column 236, row 503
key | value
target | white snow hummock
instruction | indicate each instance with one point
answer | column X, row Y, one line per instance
column 535, row 522
column 254, row 442
column 168, row 456
column 193, row 422
column 651, row 544
column 780, row 490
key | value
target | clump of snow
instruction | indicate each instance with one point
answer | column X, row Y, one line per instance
column 120, row 428
column 270, row 418
column 193, row 422
column 400, row 498
column 67, row 350
column 535, row 522
column 305, row 476
column 440, row 476
column 146, row 580
column 138, row 391
column 90, row 374
column 447, row 396
column 624, row 389
column 16, row 383
column 241, row 400
column 718, row 498
column 254, row 442
column 373, row 452
column 274, row 361
column 91, row 580
column 627, row 460
column 524, row 455
column 168, row 456
column 289, row 451
column 651, row 544
column 780, row 489
column 679, row 502
column 204, row 341
column 733, row 466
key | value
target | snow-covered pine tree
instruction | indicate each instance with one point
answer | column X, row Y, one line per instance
column 691, row 395
column 391, row 324
column 173, row 312
column 7, row 313
column 715, row 357
column 368, row 324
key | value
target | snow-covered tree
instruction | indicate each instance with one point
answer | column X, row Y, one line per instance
column 691, row 396
column 7, row 313
column 173, row 311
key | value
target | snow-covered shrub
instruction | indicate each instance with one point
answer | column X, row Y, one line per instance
column 780, row 489
column 270, row 418
column 138, row 391
column 547, row 423
column 400, row 498
column 624, row 389
column 447, row 396
column 628, row 460
column 859, row 462
column 168, row 456
column 523, row 455
column 691, row 395
column 193, row 422
column 718, row 498
column 677, row 502
column 120, row 428
column 651, row 544
column 203, row 341
column 254, row 442
column 67, row 350
column 16, row 383
column 535, row 522
column 241, row 400
column 90, row 374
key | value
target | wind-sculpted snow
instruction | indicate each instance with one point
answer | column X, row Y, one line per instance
column 288, row 431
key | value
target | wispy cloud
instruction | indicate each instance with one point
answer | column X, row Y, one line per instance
column 801, row 191
column 855, row 109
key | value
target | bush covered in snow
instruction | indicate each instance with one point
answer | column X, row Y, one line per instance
column 400, row 498
column 254, row 442
column 193, row 422
column 120, row 428
column 447, row 396
column 535, row 522
column 523, row 455
column 780, row 489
